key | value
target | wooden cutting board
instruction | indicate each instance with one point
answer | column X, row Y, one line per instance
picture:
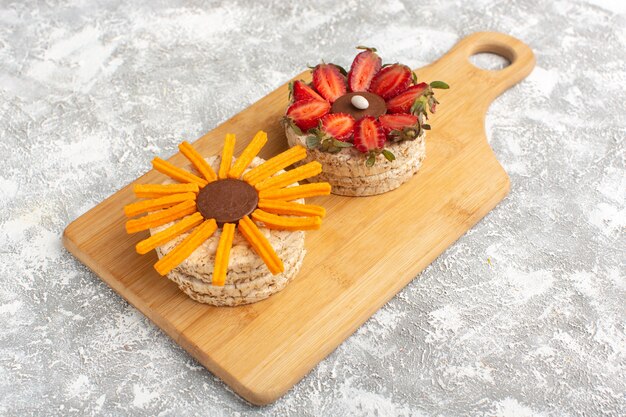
column 367, row 250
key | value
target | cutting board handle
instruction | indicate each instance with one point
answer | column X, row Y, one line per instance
column 520, row 56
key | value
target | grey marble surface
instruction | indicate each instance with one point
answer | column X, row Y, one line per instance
column 523, row 316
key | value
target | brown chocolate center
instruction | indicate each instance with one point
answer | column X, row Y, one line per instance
column 343, row 104
column 227, row 200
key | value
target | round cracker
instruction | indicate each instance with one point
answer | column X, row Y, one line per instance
column 347, row 173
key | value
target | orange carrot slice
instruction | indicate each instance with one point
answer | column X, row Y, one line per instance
column 273, row 221
column 176, row 173
column 287, row 178
column 227, row 156
column 198, row 161
column 275, row 164
column 248, row 154
column 161, row 217
column 222, row 254
column 168, row 234
column 294, row 193
column 186, row 247
column 260, row 245
column 291, row 208
column 145, row 206
column 160, row 190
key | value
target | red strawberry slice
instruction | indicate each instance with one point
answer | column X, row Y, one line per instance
column 307, row 113
column 398, row 121
column 303, row 91
column 369, row 135
column 402, row 102
column 391, row 81
column 364, row 67
column 329, row 82
column 338, row 125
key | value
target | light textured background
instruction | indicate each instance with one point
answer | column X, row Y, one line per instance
column 525, row 315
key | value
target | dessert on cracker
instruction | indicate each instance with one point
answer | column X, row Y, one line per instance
column 366, row 126
column 233, row 232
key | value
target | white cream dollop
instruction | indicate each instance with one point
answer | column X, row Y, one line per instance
column 360, row 102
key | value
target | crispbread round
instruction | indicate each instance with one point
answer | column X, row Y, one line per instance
column 347, row 173
column 234, row 295
column 247, row 279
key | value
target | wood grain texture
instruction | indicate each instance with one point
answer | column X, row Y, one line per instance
column 262, row 350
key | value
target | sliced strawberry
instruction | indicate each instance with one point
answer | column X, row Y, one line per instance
column 338, row 125
column 391, row 81
column 397, row 121
column 303, row 91
column 369, row 135
column 402, row 102
column 307, row 113
column 364, row 67
column 329, row 82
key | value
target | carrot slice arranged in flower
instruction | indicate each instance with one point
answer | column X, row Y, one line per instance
column 168, row 234
column 275, row 164
column 227, row 156
column 160, row 190
column 287, row 178
column 261, row 245
column 186, row 247
column 297, row 192
column 223, row 253
column 248, row 154
column 145, row 206
column 291, row 208
column 176, row 173
column 198, row 161
column 162, row 217
column 272, row 221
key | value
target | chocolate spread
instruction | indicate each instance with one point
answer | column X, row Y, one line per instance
column 376, row 107
column 227, row 200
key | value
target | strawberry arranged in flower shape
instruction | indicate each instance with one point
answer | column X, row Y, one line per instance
column 391, row 81
column 366, row 108
column 307, row 113
column 303, row 91
column 333, row 133
column 364, row 67
column 369, row 137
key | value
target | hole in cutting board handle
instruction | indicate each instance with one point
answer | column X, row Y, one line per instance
column 492, row 52
column 489, row 61
column 520, row 57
